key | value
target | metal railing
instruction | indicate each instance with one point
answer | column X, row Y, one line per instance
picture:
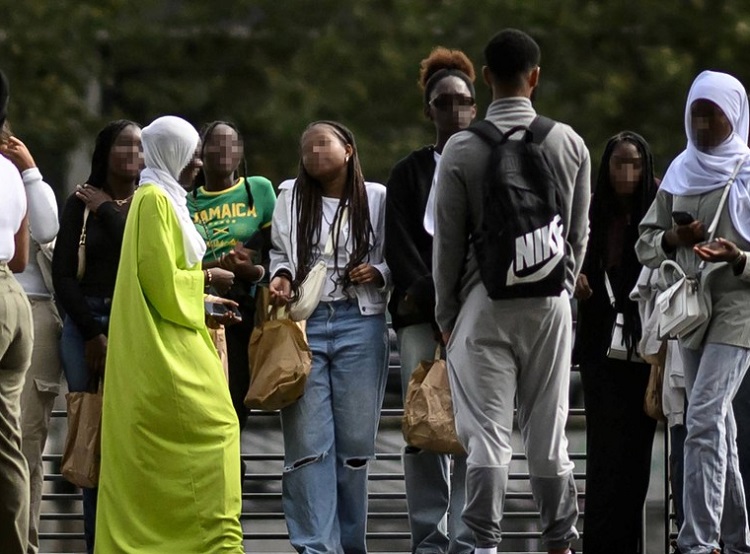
column 262, row 518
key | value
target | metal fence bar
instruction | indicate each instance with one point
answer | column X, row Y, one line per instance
column 262, row 494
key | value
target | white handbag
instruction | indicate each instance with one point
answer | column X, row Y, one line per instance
column 618, row 350
column 311, row 288
column 683, row 306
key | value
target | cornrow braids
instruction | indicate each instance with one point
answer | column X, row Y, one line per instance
column 205, row 133
column 308, row 201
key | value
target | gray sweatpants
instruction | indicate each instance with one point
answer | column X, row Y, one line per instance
column 500, row 350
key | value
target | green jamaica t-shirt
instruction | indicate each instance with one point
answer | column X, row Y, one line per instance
column 223, row 218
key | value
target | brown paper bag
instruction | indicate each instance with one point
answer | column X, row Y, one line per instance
column 262, row 304
column 652, row 400
column 219, row 338
column 81, row 458
column 280, row 361
column 428, row 411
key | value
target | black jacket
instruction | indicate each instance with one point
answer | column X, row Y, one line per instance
column 596, row 316
column 104, row 232
column 408, row 247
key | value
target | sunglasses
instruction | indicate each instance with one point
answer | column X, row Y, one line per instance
column 448, row 101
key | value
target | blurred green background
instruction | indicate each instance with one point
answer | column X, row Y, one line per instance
column 272, row 66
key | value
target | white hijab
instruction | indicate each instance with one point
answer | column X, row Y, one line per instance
column 169, row 144
column 695, row 172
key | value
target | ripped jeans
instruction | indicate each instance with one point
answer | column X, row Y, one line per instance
column 329, row 433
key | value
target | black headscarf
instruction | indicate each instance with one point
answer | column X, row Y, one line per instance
column 100, row 159
column 603, row 206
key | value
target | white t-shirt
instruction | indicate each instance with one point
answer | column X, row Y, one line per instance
column 12, row 207
column 429, row 212
column 331, row 291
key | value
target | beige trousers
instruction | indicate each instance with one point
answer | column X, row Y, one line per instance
column 16, row 342
column 38, row 396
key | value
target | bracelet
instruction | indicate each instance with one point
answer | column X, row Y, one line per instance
column 209, row 277
column 262, row 274
column 282, row 273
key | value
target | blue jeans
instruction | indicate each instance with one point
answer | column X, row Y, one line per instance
column 741, row 407
column 73, row 358
column 329, row 433
column 435, row 498
column 714, row 501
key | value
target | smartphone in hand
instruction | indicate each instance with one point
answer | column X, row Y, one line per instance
column 683, row 218
column 214, row 309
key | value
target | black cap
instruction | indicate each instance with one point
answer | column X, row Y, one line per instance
column 4, row 96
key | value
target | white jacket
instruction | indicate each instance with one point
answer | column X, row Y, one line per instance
column 372, row 299
column 673, row 389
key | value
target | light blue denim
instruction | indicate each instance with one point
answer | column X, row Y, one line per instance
column 435, row 498
column 73, row 358
column 741, row 407
column 713, row 498
column 329, row 433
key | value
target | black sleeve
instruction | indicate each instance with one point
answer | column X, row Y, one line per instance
column 113, row 220
column 401, row 251
column 265, row 253
column 65, row 267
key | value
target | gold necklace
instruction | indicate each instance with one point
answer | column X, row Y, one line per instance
column 124, row 201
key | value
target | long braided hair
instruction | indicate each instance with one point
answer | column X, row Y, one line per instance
column 604, row 204
column 308, row 201
column 205, row 133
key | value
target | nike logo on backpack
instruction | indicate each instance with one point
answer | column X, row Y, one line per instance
column 544, row 245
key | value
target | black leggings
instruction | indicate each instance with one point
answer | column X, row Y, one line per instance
column 238, row 337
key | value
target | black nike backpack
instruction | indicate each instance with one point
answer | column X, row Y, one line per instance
column 520, row 245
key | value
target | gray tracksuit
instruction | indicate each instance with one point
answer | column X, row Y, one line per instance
column 507, row 348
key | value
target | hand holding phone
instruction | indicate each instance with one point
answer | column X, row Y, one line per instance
column 682, row 218
column 687, row 231
column 222, row 311
column 214, row 309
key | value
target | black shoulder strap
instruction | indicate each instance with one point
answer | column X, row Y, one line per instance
column 540, row 128
column 487, row 131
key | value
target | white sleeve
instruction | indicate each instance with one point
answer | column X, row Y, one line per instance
column 281, row 229
column 42, row 207
column 378, row 227
column 428, row 221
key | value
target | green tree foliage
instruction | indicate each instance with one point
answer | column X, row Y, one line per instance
column 273, row 66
